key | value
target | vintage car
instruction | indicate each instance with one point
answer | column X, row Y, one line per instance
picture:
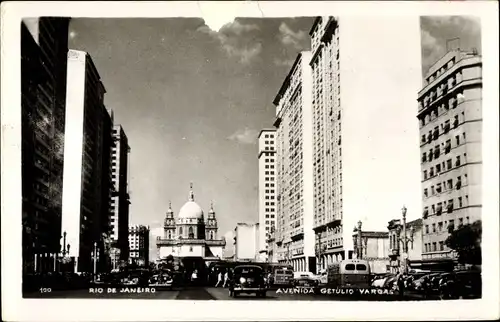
column 161, row 279
column 248, row 279
column 305, row 279
column 135, row 277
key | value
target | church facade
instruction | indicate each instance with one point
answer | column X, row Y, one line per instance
column 190, row 234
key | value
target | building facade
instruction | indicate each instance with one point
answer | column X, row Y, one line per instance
column 190, row 235
column 267, row 187
column 372, row 246
column 450, row 118
column 327, row 135
column 87, row 180
column 294, row 163
column 44, row 46
column 246, row 242
column 120, row 199
column 138, row 239
column 413, row 246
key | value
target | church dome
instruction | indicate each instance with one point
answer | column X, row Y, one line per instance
column 191, row 210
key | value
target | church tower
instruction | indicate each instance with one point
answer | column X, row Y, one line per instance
column 169, row 225
column 211, row 224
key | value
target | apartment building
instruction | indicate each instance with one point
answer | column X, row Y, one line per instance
column 294, row 138
column 327, row 136
column 120, row 199
column 138, row 239
column 361, row 139
column 267, row 186
column 87, row 179
column 44, row 46
column 450, row 119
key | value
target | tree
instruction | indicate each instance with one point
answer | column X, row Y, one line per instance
column 466, row 241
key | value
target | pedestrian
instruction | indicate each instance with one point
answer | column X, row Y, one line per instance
column 226, row 279
column 194, row 276
column 401, row 285
column 219, row 279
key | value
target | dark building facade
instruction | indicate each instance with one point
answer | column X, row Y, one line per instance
column 44, row 46
column 120, row 200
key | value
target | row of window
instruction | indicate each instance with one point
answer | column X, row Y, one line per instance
column 269, row 173
column 445, row 128
column 445, row 186
column 444, row 225
column 436, row 152
column 267, row 136
column 444, row 166
column 269, row 142
column 437, row 209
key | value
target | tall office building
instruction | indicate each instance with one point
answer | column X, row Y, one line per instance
column 294, row 163
column 44, row 46
column 358, row 174
column 120, row 199
column 138, row 239
column 327, row 148
column 450, row 117
column 87, row 179
column 267, row 186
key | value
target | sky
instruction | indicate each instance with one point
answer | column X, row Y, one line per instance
column 192, row 101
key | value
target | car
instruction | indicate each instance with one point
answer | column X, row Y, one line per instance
column 305, row 279
column 161, row 279
column 248, row 279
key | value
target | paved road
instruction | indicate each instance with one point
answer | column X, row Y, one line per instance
column 201, row 293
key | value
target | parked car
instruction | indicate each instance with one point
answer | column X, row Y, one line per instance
column 379, row 280
column 248, row 279
column 161, row 279
column 305, row 279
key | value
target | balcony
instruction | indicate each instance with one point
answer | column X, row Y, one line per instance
column 437, row 152
column 447, row 148
column 447, row 127
column 449, row 208
column 425, row 214
column 436, row 134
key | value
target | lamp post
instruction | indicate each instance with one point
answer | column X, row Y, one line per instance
column 405, row 239
column 358, row 240
column 95, row 261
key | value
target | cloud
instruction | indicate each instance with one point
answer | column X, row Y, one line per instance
column 235, row 40
column 284, row 62
column 246, row 136
column 288, row 37
column 157, row 232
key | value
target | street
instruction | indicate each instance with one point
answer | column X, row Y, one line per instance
column 203, row 293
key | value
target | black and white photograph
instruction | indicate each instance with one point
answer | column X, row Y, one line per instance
column 251, row 159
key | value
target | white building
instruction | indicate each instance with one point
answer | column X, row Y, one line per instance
column 267, row 187
column 294, row 163
column 363, row 103
column 190, row 235
column 246, row 242
column 86, row 203
column 138, row 240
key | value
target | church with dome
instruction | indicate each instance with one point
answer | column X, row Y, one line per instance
column 190, row 234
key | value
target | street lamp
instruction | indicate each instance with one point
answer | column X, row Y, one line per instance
column 405, row 239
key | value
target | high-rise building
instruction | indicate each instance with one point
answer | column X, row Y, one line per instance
column 138, row 239
column 294, row 164
column 358, row 173
column 450, row 117
column 44, row 46
column 87, row 180
column 327, row 138
column 120, row 199
column 267, row 186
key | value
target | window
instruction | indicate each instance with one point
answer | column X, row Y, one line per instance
column 349, row 267
column 441, row 245
column 460, row 204
column 191, row 233
column 433, row 228
column 434, row 246
column 450, row 183
column 440, row 226
column 425, row 174
column 360, row 267
column 457, row 138
column 425, row 192
column 426, row 229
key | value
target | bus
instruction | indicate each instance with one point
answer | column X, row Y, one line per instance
column 353, row 273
